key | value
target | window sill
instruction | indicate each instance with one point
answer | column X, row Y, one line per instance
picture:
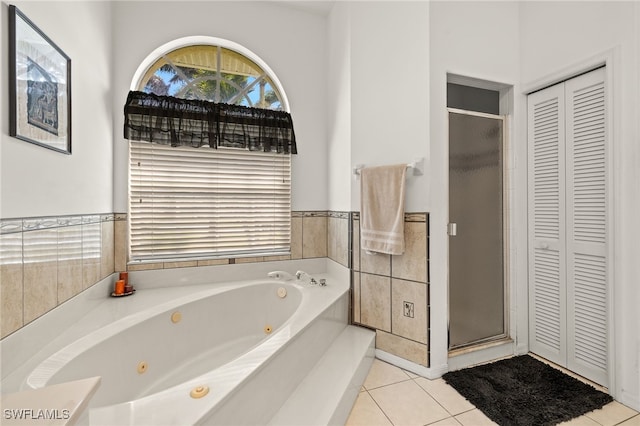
column 166, row 263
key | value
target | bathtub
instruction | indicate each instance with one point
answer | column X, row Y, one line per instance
column 228, row 353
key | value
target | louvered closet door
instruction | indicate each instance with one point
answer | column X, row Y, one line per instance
column 568, row 225
column 587, row 226
column 547, row 297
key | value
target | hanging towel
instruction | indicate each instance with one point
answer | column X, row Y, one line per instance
column 382, row 209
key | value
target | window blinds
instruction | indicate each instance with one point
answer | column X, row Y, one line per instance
column 199, row 202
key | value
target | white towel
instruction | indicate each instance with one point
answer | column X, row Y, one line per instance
column 382, row 209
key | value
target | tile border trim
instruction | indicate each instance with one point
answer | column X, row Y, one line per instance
column 310, row 213
column 408, row 216
column 12, row 226
column 338, row 214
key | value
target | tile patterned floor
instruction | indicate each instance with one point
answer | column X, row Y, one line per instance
column 392, row 396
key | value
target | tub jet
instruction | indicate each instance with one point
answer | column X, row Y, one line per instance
column 199, row 391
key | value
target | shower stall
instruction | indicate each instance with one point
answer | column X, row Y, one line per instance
column 477, row 290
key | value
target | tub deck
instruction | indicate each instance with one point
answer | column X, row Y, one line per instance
column 271, row 377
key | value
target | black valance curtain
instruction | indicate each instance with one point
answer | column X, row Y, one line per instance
column 185, row 122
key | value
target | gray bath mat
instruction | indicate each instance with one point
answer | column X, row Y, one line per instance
column 523, row 391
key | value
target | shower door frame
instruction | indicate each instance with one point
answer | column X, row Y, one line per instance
column 504, row 336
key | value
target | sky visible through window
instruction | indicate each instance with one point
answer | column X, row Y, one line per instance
column 247, row 88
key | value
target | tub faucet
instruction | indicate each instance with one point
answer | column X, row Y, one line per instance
column 280, row 275
column 301, row 274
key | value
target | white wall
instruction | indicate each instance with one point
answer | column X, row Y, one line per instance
column 35, row 181
column 556, row 38
column 290, row 41
column 339, row 107
column 390, row 91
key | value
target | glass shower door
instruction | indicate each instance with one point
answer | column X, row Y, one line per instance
column 476, row 229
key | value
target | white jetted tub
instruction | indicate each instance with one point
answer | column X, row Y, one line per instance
column 221, row 354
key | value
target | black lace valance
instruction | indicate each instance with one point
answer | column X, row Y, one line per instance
column 184, row 122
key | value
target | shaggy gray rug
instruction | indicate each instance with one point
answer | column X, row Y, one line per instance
column 524, row 391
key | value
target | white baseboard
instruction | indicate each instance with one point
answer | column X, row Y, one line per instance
column 428, row 372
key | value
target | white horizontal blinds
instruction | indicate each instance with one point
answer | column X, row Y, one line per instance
column 203, row 202
column 547, row 229
column 587, row 225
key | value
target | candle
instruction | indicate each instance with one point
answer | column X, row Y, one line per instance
column 119, row 287
column 124, row 276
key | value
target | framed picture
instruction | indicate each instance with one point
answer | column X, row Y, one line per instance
column 39, row 86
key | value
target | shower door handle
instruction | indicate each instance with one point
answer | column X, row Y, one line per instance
column 452, row 229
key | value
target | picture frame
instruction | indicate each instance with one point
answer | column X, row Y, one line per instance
column 39, row 86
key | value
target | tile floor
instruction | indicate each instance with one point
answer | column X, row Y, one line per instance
column 392, row 396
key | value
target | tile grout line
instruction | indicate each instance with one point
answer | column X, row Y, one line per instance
column 443, row 407
column 434, row 398
column 454, row 416
column 384, row 386
column 621, row 421
column 388, row 384
column 413, row 379
column 379, row 407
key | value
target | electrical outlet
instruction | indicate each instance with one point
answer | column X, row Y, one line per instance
column 408, row 309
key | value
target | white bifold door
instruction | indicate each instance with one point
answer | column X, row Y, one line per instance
column 568, row 225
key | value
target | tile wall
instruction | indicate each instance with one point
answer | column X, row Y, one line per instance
column 308, row 240
column 46, row 261
column 391, row 293
column 339, row 237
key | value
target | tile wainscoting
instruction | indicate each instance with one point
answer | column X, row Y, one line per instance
column 46, row 261
column 308, row 240
column 391, row 293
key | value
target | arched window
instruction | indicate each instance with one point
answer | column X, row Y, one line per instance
column 199, row 203
column 211, row 73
